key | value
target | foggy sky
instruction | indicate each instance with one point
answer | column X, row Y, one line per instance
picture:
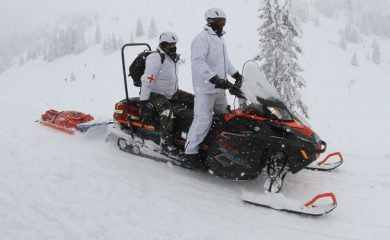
column 21, row 16
column 24, row 15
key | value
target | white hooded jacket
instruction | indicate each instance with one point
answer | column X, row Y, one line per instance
column 159, row 77
column 209, row 58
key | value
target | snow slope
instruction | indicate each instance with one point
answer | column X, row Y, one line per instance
column 55, row 186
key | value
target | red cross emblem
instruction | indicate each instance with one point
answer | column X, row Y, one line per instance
column 150, row 78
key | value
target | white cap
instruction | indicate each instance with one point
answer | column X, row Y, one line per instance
column 215, row 13
column 169, row 37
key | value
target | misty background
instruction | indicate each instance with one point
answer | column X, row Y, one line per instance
column 29, row 28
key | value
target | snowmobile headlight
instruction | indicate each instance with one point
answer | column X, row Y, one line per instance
column 280, row 113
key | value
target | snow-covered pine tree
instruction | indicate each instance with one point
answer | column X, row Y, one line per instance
column 78, row 40
column 354, row 61
column 5, row 61
column 114, row 43
column 376, row 53
column 351, row 34
column 72, row 76
column 120, row 43
column 139, row 32
column 152, row 29
column 68, row 41
column 279, row 53
column 343, row 44
column 52, row 52
column 292, row 82
column 21, row 61
column 98, row 34
column 317, row 22
column 63, row 44
column 131, row 38
column 31, row 54
column 268, row 39
column 107, row 46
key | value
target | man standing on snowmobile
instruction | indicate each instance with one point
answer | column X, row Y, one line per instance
column 160, row 87
column 210, row 67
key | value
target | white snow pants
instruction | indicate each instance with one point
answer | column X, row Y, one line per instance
column 204, row 106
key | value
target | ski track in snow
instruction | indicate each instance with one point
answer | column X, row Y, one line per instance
column 55, row 186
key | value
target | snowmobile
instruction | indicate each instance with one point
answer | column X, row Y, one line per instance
column 260, row 136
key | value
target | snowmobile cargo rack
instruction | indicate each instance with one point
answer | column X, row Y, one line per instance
column 124, row 64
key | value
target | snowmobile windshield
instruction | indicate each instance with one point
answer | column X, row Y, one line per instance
column 280, row 113
column 256, row 87
column 258, row 90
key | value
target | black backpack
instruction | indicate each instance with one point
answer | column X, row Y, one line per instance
column 137, row 67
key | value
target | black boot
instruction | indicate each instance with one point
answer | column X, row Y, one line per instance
column 170, row 150
column 194, row 161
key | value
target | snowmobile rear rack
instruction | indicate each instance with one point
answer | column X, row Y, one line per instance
column 124, row 63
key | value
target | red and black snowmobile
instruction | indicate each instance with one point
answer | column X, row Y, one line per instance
column 261, row 136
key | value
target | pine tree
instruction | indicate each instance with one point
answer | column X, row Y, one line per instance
column 291, row 80
column 72, row 77
column 139, row 32
column 69, row 41
column 79, row 44
column 114, row 44
column 107, row 46
column 52, row 52
column 354, row 61
column 268, row 39
column 21, row 61
column 98, row 34
column 120, row 43
column 343, row 44
column 376, row 53
column 61, row 44
column 152, row 30
column 317, row 22
column 351, row 34
column 131, row 38
column 279, row 53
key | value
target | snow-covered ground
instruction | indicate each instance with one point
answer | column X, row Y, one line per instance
column 55, row 186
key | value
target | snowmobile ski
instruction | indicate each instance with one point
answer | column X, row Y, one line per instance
column 281, row 203
column 330, row 162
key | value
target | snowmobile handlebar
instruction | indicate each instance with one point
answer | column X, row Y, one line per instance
column 235, row 91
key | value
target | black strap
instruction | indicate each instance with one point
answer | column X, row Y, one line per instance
column 162, row 55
